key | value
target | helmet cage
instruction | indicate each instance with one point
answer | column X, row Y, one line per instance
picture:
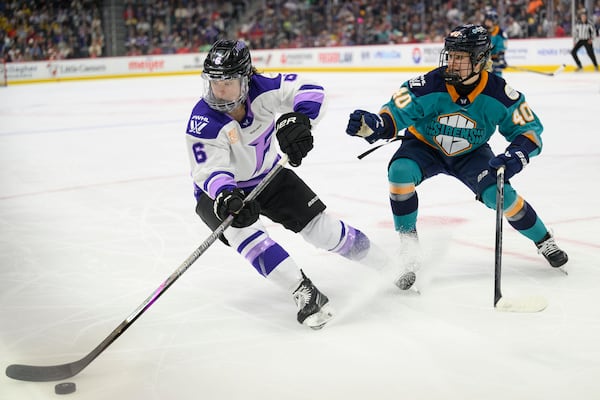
column 471, row 39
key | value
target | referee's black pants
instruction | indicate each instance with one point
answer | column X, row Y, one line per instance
column 590, row 51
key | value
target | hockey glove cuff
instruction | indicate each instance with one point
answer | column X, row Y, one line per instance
column 514, row 158
column 294, row 136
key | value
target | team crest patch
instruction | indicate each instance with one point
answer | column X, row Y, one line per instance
column 511, row 93
column 233, row 136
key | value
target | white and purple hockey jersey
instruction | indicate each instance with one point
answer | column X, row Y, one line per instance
column 225, row 153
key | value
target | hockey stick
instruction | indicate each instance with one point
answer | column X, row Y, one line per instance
column 559, row 69
column 33, row 373
column 526, row 304
column 372, row 149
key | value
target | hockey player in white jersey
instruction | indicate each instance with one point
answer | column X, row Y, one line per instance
column 231, row 142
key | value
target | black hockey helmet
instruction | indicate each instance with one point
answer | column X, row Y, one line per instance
column 472, row 39
column 492, row 15
column 227, row 59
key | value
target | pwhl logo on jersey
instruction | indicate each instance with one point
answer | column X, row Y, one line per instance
column 197, row 123
column 455, row 133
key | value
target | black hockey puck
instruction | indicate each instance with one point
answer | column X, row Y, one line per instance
column 64, row 388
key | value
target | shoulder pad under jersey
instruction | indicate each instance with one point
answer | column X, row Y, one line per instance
column 501, row 91
column 260, row 84
column 433, row 81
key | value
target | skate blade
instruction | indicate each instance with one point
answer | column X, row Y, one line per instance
column 320, row 318
column 563, row 270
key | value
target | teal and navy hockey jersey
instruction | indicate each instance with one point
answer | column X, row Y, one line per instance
column 436, row 114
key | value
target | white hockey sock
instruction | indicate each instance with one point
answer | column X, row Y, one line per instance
column 287, row 275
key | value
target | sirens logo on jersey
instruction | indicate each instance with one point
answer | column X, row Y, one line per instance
column 455, row 133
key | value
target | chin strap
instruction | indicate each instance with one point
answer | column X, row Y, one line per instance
column 454, row 79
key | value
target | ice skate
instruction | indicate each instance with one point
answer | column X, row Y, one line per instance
column 409, row 260
column 552, row 253
column 313, row 310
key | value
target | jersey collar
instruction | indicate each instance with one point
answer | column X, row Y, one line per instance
column 474, row 93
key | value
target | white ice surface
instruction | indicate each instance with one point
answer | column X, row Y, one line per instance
column 96, row 210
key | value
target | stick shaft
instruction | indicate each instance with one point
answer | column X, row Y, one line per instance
column 372, row 149
column 498, row 246
column 538, row 72
column 34, row 373
column 530, row 304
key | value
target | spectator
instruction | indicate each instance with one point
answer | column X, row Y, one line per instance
column 513, row 28
column 95, row 50
column 533, row 6
column 71, row 29
column 49, row 30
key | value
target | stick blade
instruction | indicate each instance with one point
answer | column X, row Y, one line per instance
column 31, row 373
column 559, row 69
column 529, row 304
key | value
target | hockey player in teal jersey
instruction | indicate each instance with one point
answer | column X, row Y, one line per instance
column 498, row 39
column 450, row 114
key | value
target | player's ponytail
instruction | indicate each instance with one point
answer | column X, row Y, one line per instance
column 488, row 65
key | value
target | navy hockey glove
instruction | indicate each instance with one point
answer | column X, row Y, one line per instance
column 232, row 202
column 294, row 136
column 515, row 158
column 369, row 126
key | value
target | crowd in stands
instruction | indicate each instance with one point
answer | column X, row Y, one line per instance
column 315, row 23
column 181, row 26
column 56, row 29
column 50, row 30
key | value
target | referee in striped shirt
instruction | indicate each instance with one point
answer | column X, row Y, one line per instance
column 584, row 33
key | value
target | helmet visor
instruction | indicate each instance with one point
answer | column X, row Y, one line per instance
column 224, row 94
